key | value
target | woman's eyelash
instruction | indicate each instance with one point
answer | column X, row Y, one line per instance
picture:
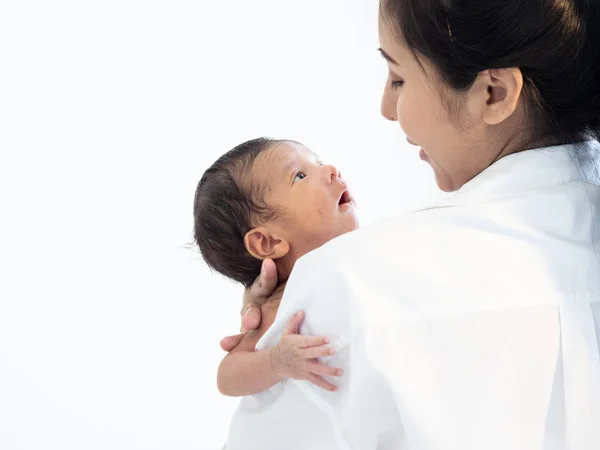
column 397, row 84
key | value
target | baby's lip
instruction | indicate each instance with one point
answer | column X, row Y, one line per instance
column 345, row 197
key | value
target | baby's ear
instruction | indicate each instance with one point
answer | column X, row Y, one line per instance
column 262, row 243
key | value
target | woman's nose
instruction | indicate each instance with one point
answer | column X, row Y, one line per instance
column 388, row 103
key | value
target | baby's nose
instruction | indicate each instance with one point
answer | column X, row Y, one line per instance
column 333, row 173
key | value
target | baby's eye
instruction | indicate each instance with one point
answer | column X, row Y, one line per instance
column 299, row 176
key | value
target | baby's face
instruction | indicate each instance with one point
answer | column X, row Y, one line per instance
column 314, row 202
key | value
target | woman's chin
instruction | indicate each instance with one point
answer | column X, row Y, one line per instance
column 444, row 183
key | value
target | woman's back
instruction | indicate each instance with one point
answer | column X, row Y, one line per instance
column 485, row 314
column 525, row 232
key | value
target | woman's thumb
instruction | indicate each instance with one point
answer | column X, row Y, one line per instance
column 267, row 280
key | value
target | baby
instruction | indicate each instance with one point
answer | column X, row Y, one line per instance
column 270, row 199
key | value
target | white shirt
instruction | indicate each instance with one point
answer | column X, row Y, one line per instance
column 472, row 324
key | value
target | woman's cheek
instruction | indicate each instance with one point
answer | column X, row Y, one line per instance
column 406, row 119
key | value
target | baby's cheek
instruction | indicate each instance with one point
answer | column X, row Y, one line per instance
column 314, row 210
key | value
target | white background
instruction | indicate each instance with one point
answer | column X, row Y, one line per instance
column 110, row 111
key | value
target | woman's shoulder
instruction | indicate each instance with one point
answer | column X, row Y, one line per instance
column 366, row 244
column 400, row 229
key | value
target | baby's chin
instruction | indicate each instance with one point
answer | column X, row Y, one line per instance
column 347, row 228
column 326, row 237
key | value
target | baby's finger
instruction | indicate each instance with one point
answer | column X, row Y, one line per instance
column 318, row 352
column 318, row 381
column 325, row 370
column 313, row 341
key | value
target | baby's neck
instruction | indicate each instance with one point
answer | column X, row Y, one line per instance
column 278, row 293
column 270, row 307
column 284, row 268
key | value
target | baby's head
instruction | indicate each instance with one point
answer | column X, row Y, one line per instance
column 268, row 199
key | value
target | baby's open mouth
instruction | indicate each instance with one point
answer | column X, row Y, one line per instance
column 345, row 198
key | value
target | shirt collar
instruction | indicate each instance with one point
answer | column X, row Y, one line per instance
column 519, row 173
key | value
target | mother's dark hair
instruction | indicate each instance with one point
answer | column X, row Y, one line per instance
column 555, row 44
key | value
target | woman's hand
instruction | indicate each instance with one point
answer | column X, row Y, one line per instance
column 295, row 356
column 257, row 294
column 254, row 297
column 230, row 342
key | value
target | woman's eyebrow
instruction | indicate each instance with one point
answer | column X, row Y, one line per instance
column 386, row 56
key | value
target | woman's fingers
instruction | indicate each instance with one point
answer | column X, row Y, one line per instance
column 257, row 294
column 318, row 381
column 266, row 283
column 293, row 325
column 251, row 317
column 230, row 342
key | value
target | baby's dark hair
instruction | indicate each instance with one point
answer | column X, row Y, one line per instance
column 228, row 203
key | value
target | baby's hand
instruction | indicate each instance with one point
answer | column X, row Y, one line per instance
column 295, row 356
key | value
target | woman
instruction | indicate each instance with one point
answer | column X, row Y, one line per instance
column 474, row 323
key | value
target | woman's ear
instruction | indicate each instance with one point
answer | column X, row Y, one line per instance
column 262, row 243
column 495, row 94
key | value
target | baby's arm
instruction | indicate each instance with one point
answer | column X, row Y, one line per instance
column 245, row 371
